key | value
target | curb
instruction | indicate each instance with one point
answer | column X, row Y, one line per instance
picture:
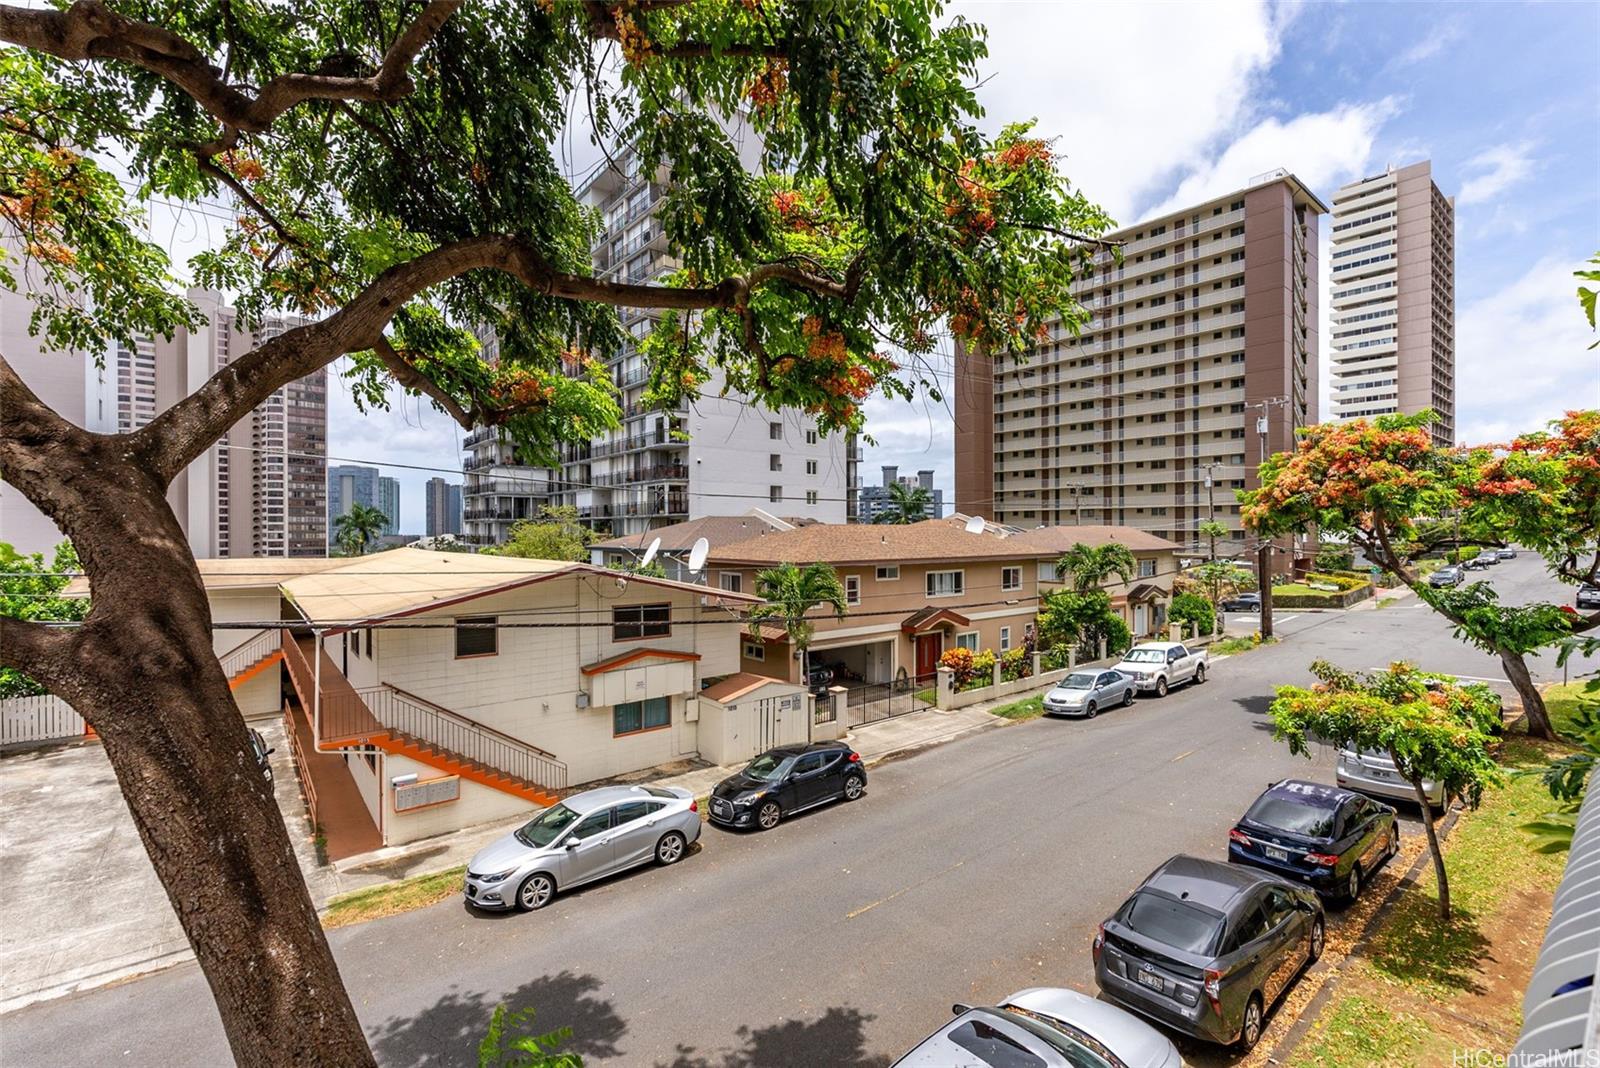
column 1286, row 1046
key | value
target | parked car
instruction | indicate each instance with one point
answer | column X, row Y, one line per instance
column 1588, row 596
column 1044, row 1027
column 1505, row 554
column 1374, row 774
column 259, row 747
column 1242, row 602
column 1207, row 948
column 1085, row 693
column 580, row 839
column 1489, row 559
column 818, row 679
column 787, row 780
column 1158, row 666
column 1328, row 838
column 1445, row 576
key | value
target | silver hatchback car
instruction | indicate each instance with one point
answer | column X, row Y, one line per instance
column 586, row 837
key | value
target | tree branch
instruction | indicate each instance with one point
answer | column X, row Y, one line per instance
column 411, row 378
column 41, row 652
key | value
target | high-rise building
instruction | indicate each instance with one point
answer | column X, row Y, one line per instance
column 350, row 484
column 389, row 503
column 1207, row 325
column 723, row 455
column 1393, row 265
column 259, row 491
column 872, row 501
column 443, row 500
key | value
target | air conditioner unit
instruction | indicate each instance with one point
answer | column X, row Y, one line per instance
column 581, row 700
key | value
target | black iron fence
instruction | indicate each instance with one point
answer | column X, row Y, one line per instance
column 877, row 701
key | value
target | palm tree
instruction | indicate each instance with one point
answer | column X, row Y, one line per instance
column 359, row 527
column 907, row 504
column 788, row 593
column 1090, row 565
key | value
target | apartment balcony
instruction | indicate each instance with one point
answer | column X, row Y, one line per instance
column 652, row 473
column 633, row 443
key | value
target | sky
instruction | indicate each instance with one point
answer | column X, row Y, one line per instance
column 1159, row 105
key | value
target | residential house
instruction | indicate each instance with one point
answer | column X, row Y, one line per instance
column 678, row 541
column 1143, row 602
column 913, row 591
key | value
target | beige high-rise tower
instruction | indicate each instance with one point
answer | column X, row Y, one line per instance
column 1393, row 264
column 1202, row 353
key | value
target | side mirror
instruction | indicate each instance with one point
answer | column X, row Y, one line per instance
column 574, row 843
column 957, row 1009
column 269, row 752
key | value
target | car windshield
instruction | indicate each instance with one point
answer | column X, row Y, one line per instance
column 1146, row 656
column 1172, row 923
column 1286, row 814
column 768, row 766
column 1077, row 681
column 546, row 827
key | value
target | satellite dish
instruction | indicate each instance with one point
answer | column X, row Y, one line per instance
column 698, row 554
column 975, row 525
column 650, row 553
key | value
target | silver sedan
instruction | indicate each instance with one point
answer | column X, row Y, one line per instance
column 586, row 837
column 1088, row 693
column 1046, row 1028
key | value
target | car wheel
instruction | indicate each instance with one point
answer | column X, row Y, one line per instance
column 1090, row 711
column 536, row 891
column 1352, row 885
column 768, row 815
column 1319, row 936
column 1250, row 1030
column 671, row 848
column 1127, row 697
column 853, row 787
column 1161, row 687
column 1394, row 843
column 1200, row 673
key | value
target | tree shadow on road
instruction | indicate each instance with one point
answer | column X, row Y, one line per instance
column 448, row 1031
column 836, row 1039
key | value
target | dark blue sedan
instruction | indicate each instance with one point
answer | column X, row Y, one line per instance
column 1328, row 838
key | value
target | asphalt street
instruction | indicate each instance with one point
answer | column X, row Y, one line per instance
column 968, row 871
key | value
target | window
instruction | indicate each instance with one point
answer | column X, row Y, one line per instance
column 635, row 810
column 590, row 826
column 969, row 640
column 775, row 494
column 775, row 462
column 811, row 467
column 889, row 573
column 476, row 636
column 811, row 496
column 641, row 621
column 947, row 583
column 355, row 642
column 732, row 581
column 775, row 431
column 809, row 762
column 852, row 589
column 1147, row 569
column 811, row 437
column 1005, row 639
column 755, row 651
column 636, row 716
column 1010, row 578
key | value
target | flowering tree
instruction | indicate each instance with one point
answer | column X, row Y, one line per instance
column 392, row 170
column 1374, row 482
column 1433, row 729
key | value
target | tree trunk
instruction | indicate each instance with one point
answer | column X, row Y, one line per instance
column 142, row 671
column 1539, row 725
column 1433, row 846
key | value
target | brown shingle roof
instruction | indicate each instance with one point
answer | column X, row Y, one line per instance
column 1055, row 540
column 863, row 543
column 736, row 686
column 680, row 537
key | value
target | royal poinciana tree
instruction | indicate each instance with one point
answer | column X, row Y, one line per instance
column 391, row 165
column 1375, row 482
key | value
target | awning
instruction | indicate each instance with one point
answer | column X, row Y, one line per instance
column 1145, row 592
column 636, row 658
column 771, row 632
column 927, row 619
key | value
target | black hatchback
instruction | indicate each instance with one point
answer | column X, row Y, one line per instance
column 1328, row 838
column 787, row 780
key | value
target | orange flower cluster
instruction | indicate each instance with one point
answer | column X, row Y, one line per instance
column 246, row 168
column 1021, row 153
column 636, row 44
column 974, row 207
column 520, row 389
column 770, row 85
column 827, row 346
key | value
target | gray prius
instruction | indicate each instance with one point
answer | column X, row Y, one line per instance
column 1088, row 693
column 586, row 837
column 1207, row 948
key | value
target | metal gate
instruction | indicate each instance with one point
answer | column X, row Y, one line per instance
column 879, row 701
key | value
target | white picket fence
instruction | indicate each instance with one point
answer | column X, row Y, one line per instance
column 38, row 719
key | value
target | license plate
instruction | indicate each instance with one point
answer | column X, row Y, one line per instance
column 1150, row 979
column 1276, row 854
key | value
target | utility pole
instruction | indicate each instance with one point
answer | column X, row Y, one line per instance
column 1211, row 503
column 1264, row 550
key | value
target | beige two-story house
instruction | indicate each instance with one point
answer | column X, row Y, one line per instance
column 1144, row 599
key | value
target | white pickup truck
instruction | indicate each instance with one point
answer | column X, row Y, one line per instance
column 1159, row 666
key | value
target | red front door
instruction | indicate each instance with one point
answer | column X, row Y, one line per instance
column 929, row 646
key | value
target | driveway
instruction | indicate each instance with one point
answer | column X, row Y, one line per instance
column 80, row 904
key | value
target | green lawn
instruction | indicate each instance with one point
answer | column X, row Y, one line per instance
column 1027, row 708
column 1235, row 646
column 1562, row 701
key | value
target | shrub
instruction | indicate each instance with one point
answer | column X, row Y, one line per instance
column 1193, row 609
column 1466, row 552
column 1015, row 664
column 1344, row 582
column 982, row 670
column 958, row 661
column 1334, row 558
column 1117, row 635
column 1057, row 656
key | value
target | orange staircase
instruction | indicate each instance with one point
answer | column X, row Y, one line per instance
column 251, row 657
column 442, row 759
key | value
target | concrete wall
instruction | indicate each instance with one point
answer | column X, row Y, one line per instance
column 948, row 698
column 477, row 804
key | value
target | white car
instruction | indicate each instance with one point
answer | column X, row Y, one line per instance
column 1156, row 667
column 1044, row 1028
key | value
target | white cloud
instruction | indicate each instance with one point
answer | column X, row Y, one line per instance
column 1502, row 167
column 1522, row 356
column 1440, row 37
column 1322, row 149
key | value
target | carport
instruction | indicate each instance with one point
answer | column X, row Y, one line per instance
column 858, row 662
